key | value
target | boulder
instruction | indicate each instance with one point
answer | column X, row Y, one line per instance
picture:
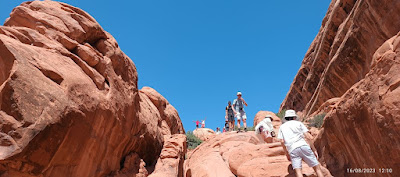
column 341, row 53
column 362, row 130
column 203, row 133
column 170, row 163
column 69, row 100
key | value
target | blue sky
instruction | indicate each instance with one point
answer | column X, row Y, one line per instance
column 199, row 53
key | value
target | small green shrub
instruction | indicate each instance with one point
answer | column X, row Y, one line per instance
column 192, row 141
column 250, row 128
column 281, row 114
column 317, row 121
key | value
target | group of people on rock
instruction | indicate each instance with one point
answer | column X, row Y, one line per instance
column 203, row 123
column 293, row 135
column 235, row 110
column 231, row 111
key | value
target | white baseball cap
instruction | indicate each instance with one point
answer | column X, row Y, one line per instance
column 239, row 93
column 290, row 113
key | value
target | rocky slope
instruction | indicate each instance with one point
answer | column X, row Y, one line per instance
column 70, row 103
column 240, row 154
column 341, row 53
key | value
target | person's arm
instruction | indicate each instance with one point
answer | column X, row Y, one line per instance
column 233, row 109
column 309, row 138
column 226, row 114
column 244, row 102
column 285, row 150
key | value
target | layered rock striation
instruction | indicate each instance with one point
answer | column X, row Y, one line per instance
column 362, row 130
column 341, row 53
column 352, row 74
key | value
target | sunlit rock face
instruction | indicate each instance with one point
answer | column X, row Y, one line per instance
column 341, row 53
column 69, row 100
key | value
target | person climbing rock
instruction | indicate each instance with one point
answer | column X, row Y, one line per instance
column 297, row 144
column 197, row 123
column 226, row 127
column 238, row 106
column 266, row 129
column 230, row 116
column 218, row 131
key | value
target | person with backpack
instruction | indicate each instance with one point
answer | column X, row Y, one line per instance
column 266, row 129
column 297, row 144
column 230, row 116
column 238, row 108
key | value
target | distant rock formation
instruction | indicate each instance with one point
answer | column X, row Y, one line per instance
column 341, row 53
column 70, row 104
column 203, row 133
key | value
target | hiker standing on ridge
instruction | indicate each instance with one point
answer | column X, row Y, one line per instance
column 197, row 123
column 203, row 123
column 238, row 107
column 230, row 116
column 297, row 144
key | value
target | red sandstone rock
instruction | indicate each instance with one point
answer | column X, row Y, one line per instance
column 169, row 115
column 203, row 133
column 362, row 130
column 69, row 101
column 341, row 53
column 240, row 154
column 170, row 163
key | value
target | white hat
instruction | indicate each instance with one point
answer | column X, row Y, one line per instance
column 290, row 113
column 239, row 93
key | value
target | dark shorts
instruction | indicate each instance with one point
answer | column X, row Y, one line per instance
column 231, row 118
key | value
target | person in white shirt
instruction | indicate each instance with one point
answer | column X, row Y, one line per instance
column 293, row 135
column 266, row 129
column 238, row 109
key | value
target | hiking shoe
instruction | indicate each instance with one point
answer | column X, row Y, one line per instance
column 245, row 129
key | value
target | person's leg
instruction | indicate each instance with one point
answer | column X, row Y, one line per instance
column 244, row 117
column 298, row 172
column 238, row 117
column 296, row 162
column 309, row 157
column 318, row 170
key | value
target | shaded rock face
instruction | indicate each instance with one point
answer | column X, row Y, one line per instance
column 362, row 130
column 341, row 53
column 69, row 100
column 240, row 154
column 203, row 133
column 170, row 163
